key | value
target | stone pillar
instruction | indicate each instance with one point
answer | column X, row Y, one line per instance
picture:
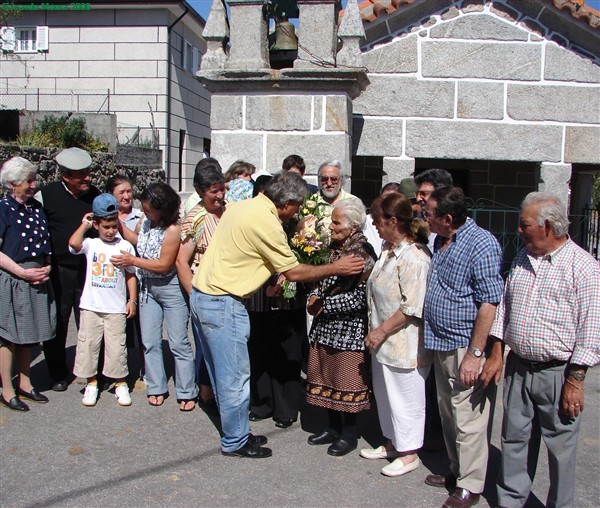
column 395, row 169
column 248, row 35
column 555, row 178
column 317, row 34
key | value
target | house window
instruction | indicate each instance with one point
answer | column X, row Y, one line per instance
column 24, row 39
column 190, row 60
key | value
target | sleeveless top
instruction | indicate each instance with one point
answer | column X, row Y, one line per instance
column 150, row 242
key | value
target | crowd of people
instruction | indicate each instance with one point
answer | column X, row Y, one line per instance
column 411, row 312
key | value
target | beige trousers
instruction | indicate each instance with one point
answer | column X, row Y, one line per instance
column 92, row 328
column 466, row 414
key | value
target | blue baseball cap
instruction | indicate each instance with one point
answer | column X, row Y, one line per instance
column 105, row 205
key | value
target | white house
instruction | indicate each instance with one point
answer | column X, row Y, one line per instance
column 134, row 59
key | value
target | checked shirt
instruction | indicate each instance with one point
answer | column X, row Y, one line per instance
column 551, row 307
column 461, row 277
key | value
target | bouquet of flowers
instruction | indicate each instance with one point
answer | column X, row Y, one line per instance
column 309, row 242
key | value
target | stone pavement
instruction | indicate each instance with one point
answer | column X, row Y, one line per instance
column 65, row 454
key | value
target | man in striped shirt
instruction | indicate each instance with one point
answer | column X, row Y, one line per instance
column 464, row 287
column 550, row 319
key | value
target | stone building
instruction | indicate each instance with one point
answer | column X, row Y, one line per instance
column 504, row 94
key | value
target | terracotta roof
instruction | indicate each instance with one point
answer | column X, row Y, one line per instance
column 370, row 10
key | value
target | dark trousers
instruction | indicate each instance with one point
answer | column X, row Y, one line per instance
column 67, row 283
column 275, row 349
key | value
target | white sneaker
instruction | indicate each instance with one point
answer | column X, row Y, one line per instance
column 90, row 396
column 377, row 453
column 398, row 468
column 122, row 395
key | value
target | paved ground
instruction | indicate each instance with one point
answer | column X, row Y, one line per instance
column 65, row 454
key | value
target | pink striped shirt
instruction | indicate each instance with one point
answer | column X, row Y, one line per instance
column 551, row 307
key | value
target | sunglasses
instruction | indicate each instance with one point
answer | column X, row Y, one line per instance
column 332, row 179
column 154, row 201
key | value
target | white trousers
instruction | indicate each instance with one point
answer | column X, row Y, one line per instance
column 400, row 396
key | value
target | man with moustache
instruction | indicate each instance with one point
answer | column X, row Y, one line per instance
column 330, row 177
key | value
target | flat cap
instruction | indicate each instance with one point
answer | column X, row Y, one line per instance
column 73, row 159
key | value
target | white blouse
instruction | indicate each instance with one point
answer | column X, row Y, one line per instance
column 398, row 282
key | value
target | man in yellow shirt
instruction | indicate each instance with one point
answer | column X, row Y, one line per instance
column 249, row 245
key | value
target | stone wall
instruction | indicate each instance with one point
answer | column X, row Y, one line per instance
column 141, row 165
column 480, row 81
column 264, row 129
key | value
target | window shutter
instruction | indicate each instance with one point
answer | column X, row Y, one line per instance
column 195, row 61
column 42, row 38
column 8, row 38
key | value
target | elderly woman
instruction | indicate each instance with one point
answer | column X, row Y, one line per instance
column 395, row 292
column 121, row 188
column 337, row 361
column 157, row 240
column 27, row 309
column 196, row 233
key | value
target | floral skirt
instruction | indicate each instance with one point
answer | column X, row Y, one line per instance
column 337, row 379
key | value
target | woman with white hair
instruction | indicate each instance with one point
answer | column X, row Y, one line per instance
column 28, row 311
column 337, row 360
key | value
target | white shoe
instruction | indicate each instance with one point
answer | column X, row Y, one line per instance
column 378, row 453
column 90, row 396
column 398, row 468
column 122, row 395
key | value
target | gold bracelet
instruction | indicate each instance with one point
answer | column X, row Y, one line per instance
column 572, row 384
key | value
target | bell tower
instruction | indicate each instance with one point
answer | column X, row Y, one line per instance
column 263, row 110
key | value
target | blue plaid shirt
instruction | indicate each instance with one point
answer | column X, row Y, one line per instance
column 460, row 278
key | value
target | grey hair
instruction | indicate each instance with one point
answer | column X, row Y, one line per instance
column 334, row 163
column 15, row 171
column 286, row 186
column 551, row 209
column 354, row 211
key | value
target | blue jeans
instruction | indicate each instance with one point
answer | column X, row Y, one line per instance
column 161, row 299
column 223, row 326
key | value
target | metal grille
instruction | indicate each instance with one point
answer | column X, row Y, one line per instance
column 55, row 99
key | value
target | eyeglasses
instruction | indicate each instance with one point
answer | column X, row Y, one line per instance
column 332, row 179
column 153, row 199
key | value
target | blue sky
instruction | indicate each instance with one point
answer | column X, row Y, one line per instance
column 203, row 6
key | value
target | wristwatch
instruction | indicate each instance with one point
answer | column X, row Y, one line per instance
column 477, row 353
column 578, row 375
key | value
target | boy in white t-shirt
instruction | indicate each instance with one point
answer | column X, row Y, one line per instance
column 104, row 305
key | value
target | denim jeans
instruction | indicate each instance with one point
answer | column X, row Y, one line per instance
column 223, row 326
column 162, row 298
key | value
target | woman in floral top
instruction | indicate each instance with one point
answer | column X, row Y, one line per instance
column 400, row 364
column 196, row 233
column 161, row 297
column 337, row 360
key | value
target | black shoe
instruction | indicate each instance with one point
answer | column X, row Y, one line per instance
column 14, row 404
column 325, row 437
column 33, row 395
column 251, row 450
column 209, row 406
column 255, row 417
column 284, row 423
column 259, row 440
column 341, row 447
column 60, row 386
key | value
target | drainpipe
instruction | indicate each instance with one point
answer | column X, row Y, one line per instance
column 169, row 73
